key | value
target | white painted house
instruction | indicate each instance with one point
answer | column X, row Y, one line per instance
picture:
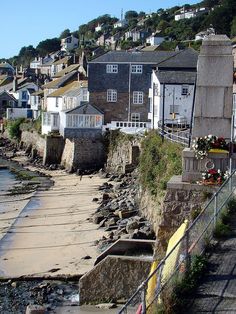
column 61, row 100
column 155, row 39
column 69, row 43
column 171, row 97
column 120, row 23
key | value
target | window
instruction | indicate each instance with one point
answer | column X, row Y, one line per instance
column 174, row 109
column 138, row 69
column 137, row 98
column 135, row 117
column 111, row 95
column 24, row 95
column 155, row 86
column 184, row 89
column 112, row 68
column 57, row 101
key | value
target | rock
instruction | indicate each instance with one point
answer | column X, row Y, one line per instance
column 132, row 225
column 95, row 199
column 124, row 213
column 35, row 309
column 14, row 284
column 105, row 197
column 86, row 257
column 106, row 306
column 97, row 218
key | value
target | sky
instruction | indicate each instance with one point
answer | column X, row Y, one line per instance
column 27, row 22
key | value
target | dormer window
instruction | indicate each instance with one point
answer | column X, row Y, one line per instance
column 112, row 68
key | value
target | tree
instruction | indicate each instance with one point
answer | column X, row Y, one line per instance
column 129, row 15
column 65, row 33
column 48, row 45
column 233, row 27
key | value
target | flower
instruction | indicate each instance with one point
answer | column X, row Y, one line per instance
column 202, row 145
column 213, row 176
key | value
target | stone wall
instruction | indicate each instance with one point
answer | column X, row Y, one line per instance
column 32, row 138
column 84, row 153
column 124, row 158
column 115, row 277
column 54, row 145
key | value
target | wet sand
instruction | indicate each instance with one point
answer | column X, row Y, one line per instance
column 52, row 235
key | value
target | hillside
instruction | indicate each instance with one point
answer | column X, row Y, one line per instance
column 219, row 14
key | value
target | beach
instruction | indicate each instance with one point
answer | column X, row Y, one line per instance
column 49, row 232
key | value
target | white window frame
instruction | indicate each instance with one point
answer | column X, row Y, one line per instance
column 135, row 117
column 112, row 68
column 136, row 68
column 185, row 90
column 111, row 95
column 137, row 98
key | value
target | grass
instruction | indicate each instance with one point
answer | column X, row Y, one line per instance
column 159, row 161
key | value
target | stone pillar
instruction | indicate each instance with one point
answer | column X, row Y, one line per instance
column 213, row 103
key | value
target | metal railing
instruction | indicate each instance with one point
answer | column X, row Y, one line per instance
column 177, row 136
column 178, row 260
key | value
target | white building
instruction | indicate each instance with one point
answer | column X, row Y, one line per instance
column 120, row 23
column 155, row 39
column 171, row 97
column 61, row 100
column 69, row 43
column 204, row 34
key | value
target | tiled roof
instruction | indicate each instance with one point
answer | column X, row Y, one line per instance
column 176, row 77
column 85, row 109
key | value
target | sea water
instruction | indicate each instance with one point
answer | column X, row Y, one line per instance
column 7, row 180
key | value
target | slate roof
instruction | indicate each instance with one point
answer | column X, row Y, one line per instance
column 85, row 109
column 63, row 60
column 165, row 59
column 68, row 69
column 186, row 58
column 150, row 57
column 11, row 96
column 176, row 77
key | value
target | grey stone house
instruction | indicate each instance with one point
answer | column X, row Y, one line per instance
column 119, row 81
column 6, row 101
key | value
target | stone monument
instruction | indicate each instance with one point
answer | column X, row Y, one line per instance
column 214, row 89
column 213, row 103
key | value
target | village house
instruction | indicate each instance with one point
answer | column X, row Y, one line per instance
column 6, row 101
column 60, row 64
column 36, row 100
column 98, row 28
column 172, row 90
column 155, row 39
column 61, row 100
column 204, row 34
column 120, row 23
column 101, row 39
column 136, row 35
column 119, row 81
column 112, row 41
column 6, row 69
column 188, row 14
column 69, row 43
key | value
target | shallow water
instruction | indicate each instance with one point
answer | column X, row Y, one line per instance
column 7, row 180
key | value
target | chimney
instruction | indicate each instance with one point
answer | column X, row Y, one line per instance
column 14, row 84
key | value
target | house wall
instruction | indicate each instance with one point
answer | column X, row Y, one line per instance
column 184, row 102
column 100, row 81
column 52, row 104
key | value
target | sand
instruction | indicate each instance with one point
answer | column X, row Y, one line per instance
column 52, row 234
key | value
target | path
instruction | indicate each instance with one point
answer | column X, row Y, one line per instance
column 217, row 293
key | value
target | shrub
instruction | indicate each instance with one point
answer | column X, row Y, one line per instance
column 14, row 128
column 221, row 230
column 159, row 161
